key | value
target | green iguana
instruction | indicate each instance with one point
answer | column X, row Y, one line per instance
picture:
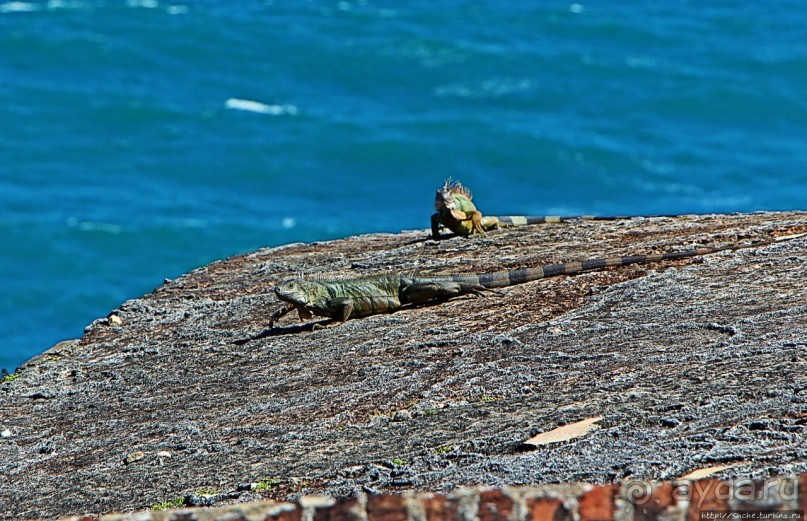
column 457, row 212
column 370, row 295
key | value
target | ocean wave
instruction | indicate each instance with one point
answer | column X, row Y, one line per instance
column 53, row 5
column 94, row 226
column 145, row 4
column 18, row 7
column 260, row 108
column 490, row 88
column 63, row 5
column 174, row 9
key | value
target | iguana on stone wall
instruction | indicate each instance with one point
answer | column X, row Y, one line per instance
column 370, row 295
column 456, row 211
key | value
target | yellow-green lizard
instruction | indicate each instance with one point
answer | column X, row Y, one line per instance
column 456, row 211
column 363, row 296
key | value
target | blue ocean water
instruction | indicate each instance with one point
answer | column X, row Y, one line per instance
column 140, row 139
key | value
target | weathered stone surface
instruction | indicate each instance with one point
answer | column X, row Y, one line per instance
column 691, row 364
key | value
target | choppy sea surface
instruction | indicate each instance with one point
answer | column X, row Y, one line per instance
column 140, row 139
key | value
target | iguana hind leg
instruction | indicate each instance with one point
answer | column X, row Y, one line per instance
column 342, row 308
column 421, row 293
column 490, row 223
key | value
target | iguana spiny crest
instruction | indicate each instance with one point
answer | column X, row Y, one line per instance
column 450, row 196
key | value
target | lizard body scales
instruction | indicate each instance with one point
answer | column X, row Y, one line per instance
column 364, row 296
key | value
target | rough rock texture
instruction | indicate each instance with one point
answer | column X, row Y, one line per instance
column 185, row 396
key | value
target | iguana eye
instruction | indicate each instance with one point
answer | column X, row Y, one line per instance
column 291, row 285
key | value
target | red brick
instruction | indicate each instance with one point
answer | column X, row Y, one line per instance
column 598, row 503
column 285, row 512
column 182, row 516
column 232, row 516
column 439, row 508
column 707, row 494
column 547, row 509
column 343, row 510
column 386, row 507
column 494, row 506
column 647, row 507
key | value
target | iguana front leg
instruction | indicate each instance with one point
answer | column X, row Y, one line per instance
column 287, row 307
column 476, row 220
column 457, row 216
column 474, row 216
column 302, row 312
column 436, row 226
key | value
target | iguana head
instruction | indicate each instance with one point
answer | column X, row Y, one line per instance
column 445, row 195
column 301, row 293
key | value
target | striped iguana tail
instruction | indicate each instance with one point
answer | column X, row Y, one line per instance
column 502, row 279
column 507, row 221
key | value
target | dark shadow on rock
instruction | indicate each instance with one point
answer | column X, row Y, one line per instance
column 313, row 326
column 284, row 330
column 432, row 239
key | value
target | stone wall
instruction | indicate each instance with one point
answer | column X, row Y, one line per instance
column 782, row 499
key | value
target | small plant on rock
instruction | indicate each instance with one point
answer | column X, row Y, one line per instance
column 165, row 505
column 267, row 484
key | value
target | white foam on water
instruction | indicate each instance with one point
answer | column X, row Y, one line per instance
column 93, row 226
column 192, row 223
column 146, row 4
column 641, row 62
column 18, row 7
column 491, row 88
column 288, row 223
column 54, row 5
column 177, row 9
column 260, row 108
